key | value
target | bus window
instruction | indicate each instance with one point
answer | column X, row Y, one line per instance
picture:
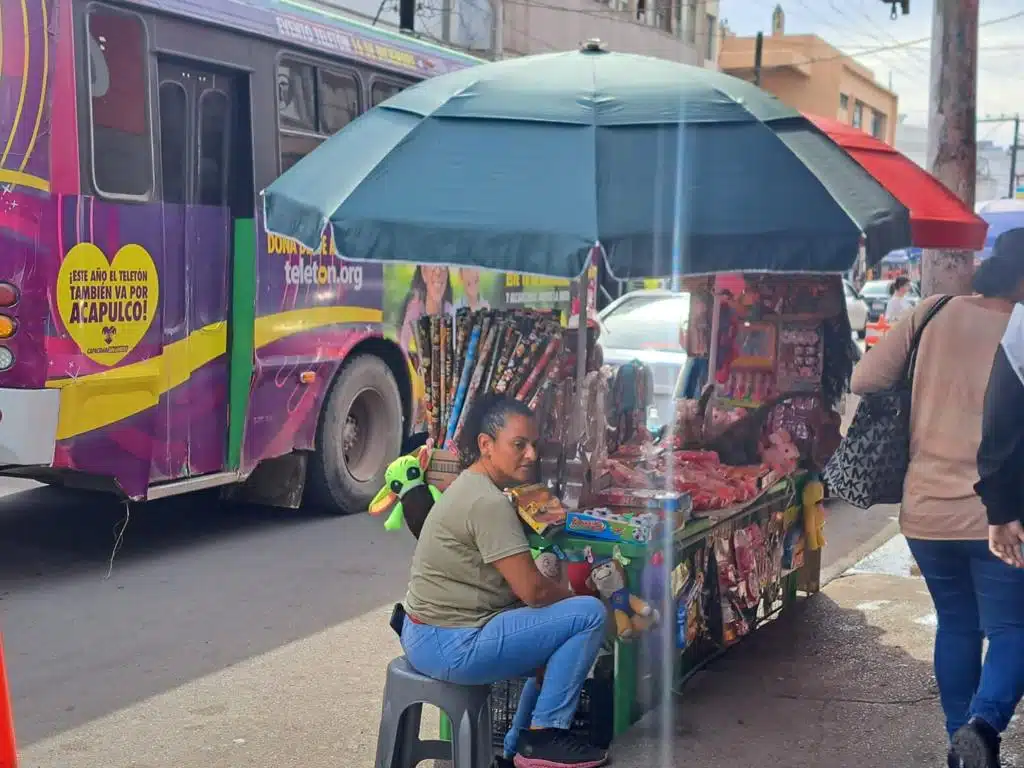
column 307, row 116
column 214, row 117
column 294, row 147
column 382, row 90
column 121, row 146
column 173, row 137
column 296, row 105
column 338, row 100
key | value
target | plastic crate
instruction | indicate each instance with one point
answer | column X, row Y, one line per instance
column 593, row 720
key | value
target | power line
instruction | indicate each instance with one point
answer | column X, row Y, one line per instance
column 895, row 47
column 911, row 53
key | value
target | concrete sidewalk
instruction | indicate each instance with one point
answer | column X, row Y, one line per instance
column 843, row 681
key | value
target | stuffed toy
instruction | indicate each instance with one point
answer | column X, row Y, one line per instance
column 406, row 492
column 780, row 453
column 551, row 565
column 814, row 514
column 632, row 614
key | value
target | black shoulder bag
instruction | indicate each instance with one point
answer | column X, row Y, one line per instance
column 871, row 463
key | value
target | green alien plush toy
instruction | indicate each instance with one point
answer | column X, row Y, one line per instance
column 406, row 492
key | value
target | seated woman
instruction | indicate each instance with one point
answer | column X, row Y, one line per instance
column 478, row 611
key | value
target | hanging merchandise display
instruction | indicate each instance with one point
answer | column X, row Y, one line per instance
column 469, row 353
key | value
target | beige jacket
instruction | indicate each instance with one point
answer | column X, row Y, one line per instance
column 953, row 364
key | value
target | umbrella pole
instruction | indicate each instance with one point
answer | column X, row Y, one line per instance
column 583, row 292
column 716, row 322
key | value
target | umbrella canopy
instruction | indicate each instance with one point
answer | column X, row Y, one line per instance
column 938, row 218
column 524, row 164
column 1001, row 216
column 903, row 256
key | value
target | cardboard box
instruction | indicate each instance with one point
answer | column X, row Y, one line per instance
column 678, row 503
column 605, row 525
column 443, row 469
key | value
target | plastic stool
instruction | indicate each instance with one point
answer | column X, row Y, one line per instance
column 398, row 739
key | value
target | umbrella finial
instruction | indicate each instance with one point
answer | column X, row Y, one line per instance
column 593, row 45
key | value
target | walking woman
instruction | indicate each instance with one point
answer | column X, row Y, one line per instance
column 1001, row 488
column 478, row 611
column 898, row 304
column 975, row 594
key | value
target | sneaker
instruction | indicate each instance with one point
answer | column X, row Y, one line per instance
column 977, row 745
column 556, row 748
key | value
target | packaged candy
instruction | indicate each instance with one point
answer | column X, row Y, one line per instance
column 605, row 525
column 537, row 507
column 734, row 624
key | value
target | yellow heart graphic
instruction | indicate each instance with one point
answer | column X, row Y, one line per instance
column 107, row 307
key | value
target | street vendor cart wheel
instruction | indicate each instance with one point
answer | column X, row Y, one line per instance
column 360, row 432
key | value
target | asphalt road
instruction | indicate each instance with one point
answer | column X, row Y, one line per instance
column 195, row 587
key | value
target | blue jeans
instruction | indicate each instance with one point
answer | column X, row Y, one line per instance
column 564, row 638
column 976, row 596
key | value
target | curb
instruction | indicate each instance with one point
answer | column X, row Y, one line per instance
column 858, row 553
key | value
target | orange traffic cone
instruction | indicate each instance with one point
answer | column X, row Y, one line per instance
column 8, row 750
column 875, row 332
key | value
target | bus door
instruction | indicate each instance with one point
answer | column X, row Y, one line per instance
column 207, row 184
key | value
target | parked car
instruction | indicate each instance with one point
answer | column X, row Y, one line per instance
column 876, row 294
column 856, row 309
column 645, row 326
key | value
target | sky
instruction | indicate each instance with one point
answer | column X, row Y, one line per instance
column 858, row 26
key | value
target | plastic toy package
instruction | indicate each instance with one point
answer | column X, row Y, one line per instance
column 734, row 623
column 747, row 542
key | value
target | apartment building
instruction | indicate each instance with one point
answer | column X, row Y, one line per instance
column 688, row 31
column 810, row 75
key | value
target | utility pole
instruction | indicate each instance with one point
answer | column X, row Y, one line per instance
column 758, row 55
column 498, row 43
column 406, row 15
column 952, row 132
column 1013, row 156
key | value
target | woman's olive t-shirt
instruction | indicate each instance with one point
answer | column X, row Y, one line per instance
column 453, row 582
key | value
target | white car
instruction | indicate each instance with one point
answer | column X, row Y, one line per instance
column 856, row 309
column 644, row 325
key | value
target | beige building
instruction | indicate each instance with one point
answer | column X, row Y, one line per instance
column 680, row 30
column 812, row 76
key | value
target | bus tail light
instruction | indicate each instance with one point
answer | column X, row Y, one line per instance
column 6, row 358
column 8, row 295
column 7, row 327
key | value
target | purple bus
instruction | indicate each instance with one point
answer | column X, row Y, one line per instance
column 154, row 340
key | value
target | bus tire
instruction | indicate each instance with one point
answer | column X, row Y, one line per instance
column 359, row 434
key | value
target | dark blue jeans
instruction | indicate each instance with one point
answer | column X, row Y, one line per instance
column 976, row 597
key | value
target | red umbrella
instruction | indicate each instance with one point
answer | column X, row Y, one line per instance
column 938, row 218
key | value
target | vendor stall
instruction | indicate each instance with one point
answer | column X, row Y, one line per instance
column 703, row 530
column 695, row 534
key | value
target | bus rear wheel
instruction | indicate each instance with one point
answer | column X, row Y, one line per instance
column 360, row 433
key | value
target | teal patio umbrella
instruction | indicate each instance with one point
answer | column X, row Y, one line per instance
column 523, row 165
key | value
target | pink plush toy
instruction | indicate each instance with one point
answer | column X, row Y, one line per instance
column 780, row 453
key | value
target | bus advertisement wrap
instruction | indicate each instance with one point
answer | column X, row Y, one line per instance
column 158, row 326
